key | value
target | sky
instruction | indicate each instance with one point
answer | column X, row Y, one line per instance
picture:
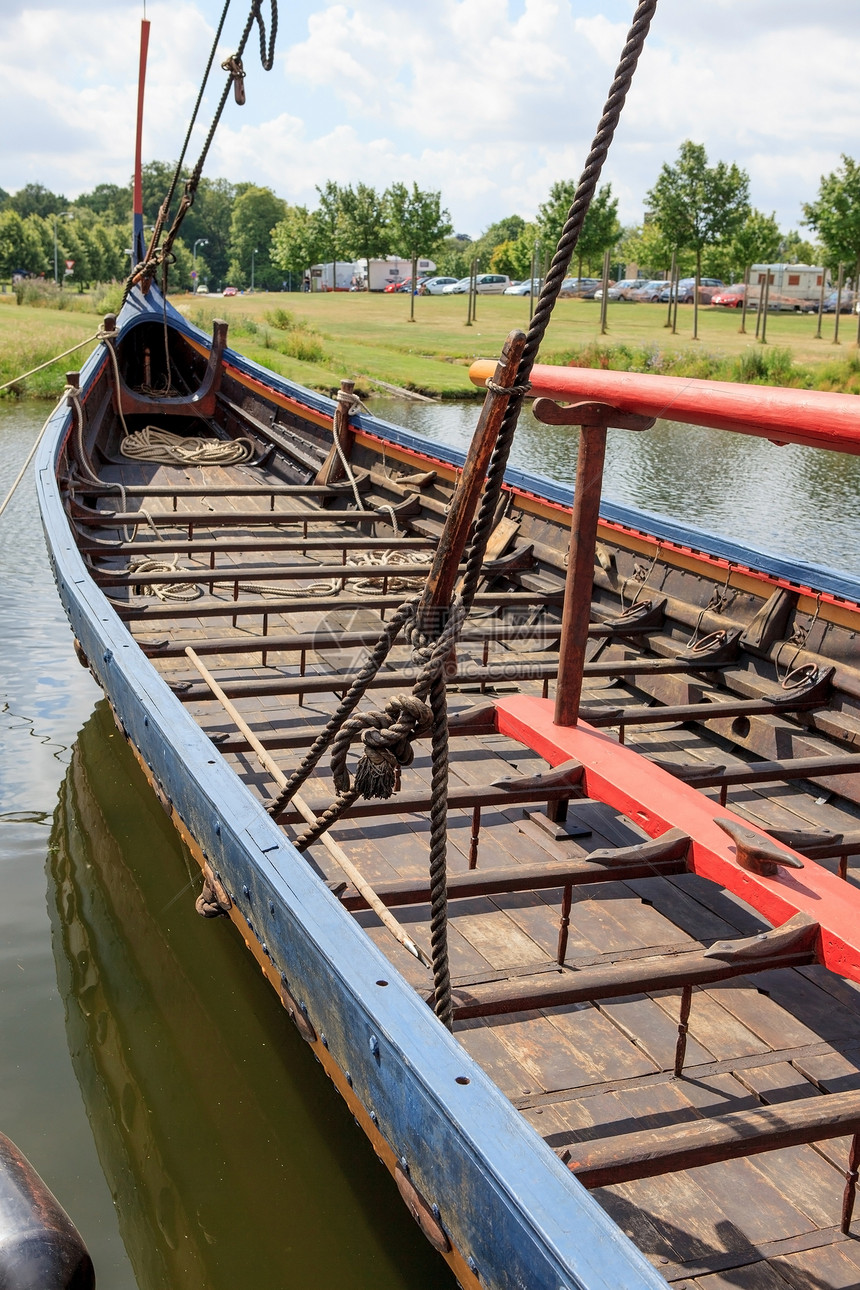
column 489, row 101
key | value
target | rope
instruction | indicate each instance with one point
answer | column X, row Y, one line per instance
column 33, row 370
column 152, row 444
column 156, row 255
column 549, row 294
column 347, row 705
column 30, row 455
column 350, row 401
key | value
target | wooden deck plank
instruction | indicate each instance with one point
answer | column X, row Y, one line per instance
column 601, row 1048
column 761, row 1014
column 826, row 1268
column 652, row 1029
column 714, row 1027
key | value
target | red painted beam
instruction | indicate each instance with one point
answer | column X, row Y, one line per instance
column 815, row 418
column 656, row 801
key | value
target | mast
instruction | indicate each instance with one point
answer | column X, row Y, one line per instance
column 138, row 241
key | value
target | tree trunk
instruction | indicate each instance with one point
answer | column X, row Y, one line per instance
column 696, row 293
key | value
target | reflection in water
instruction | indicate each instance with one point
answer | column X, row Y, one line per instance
column 792, row 501
column 232, row 1162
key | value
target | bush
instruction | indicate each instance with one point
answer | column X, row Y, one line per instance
column 282, row 319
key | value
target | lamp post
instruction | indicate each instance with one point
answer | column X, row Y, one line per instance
column 61, row 215
column 253, row 253
column 198, row 241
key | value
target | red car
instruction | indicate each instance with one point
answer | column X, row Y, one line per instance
column 730, row 297
column 230, row 291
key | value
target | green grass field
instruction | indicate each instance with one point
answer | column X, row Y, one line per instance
column 319, row 339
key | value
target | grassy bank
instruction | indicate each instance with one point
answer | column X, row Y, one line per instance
column 319, row 339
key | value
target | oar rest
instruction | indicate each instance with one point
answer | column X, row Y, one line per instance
column 791, row 945
column 653, row 1151
column 199, row 403
column 665, row 855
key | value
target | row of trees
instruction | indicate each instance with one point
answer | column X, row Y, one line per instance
column 698, row 212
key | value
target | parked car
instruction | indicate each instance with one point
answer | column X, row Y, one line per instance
column 708, row 287
column 434, row 286
column 583, row 288
column 396, row 285
column 732, row 297
column 524, row 288
column 651, row 291
column 622, row 290
column 202, row 290
column 846, row 304
column 230, row 291
column 486, row 284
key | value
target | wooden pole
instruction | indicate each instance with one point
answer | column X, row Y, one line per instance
column 821, row 303
column 747, row 271
column 839, row 285
column 668, row 322
column 764, row 305
column 444, row 570
column 604, row 298
column 337, row 853
column 532, row 271
column 413, row 286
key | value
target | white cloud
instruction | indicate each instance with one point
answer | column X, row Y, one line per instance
column 487, row 101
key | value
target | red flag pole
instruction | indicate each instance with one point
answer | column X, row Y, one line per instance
column 139, row 247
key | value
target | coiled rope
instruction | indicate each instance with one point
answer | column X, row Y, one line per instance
column 152, row 444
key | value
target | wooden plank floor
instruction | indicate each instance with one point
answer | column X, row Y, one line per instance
column 583, row 1071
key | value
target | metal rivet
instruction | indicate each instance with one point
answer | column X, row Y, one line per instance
column 374, row 1118
column 146, row 721
column 473, row 1267
column 374, row 1046
column 217, row 829
column 271, row 908
column 323, row 1039
column 403, row 1164
column 349, row 1079
column 246, row 892
column 263, row 948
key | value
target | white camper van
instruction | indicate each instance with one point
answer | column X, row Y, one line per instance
column 790, row 284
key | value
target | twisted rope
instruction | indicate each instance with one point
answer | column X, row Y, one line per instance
column 347, row 705
column 585, row 190
column 439, row 854
column 387, row 735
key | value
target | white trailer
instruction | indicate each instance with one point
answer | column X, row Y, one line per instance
column 343, row 277
column 381, row 273
column 792, row 281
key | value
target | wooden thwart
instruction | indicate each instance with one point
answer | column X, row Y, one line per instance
column 698, row 967
column 651, row 1152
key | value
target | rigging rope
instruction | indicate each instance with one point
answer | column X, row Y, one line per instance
column 156, row 255
column 585, row 190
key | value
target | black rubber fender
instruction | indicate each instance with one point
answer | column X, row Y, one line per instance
column 40, row 1247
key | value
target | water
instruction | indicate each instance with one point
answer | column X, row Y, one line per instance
column 791, row 501
column 146, row 1068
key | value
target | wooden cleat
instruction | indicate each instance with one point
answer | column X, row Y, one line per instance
column 755, row 852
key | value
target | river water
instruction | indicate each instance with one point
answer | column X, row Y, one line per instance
column 146, row 1068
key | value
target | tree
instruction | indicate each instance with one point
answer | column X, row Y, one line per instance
column 21, row 245
column 328, row 228
column 835, row 215
column 111, row 201
column 757, row 241
column 499, row 234
column 418, row 223
column 797, row 250
column 294, row 244
column 210, row 218
column 454, row 255
column 697, row 205
column 600, row 230
column 365, row 226
column 647, row 247
column 254, row 216
column 516, row 257
column 35, row 199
